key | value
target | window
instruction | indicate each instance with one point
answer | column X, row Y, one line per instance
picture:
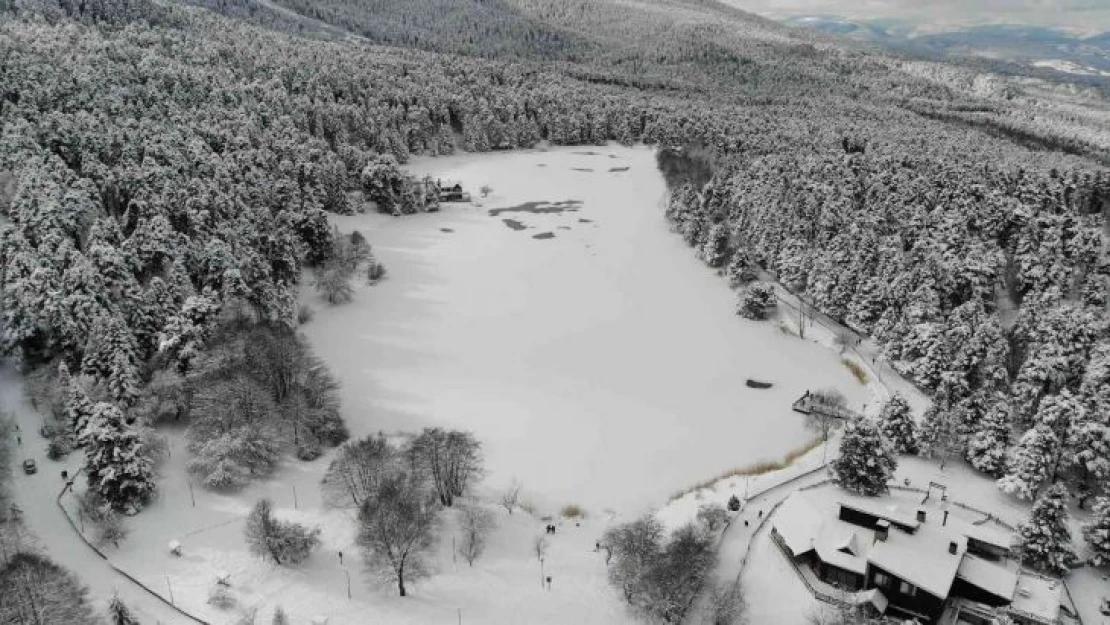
column 881, row 580
column 907, row 589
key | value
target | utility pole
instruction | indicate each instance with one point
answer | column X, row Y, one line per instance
column 191, row 496
column 348, row 582
column 170, row 589
column 294, row 496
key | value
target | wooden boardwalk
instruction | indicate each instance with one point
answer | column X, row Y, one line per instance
column 810, row 404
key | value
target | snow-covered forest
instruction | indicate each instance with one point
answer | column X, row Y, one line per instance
column 168, row 170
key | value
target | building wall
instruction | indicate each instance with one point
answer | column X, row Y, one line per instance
column 847, row 580
column 920, row 602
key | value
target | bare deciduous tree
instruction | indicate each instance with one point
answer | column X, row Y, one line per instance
column 475, row 524
column 511, row 496
column 450, row 458
column 358, row 470
column 396, row 528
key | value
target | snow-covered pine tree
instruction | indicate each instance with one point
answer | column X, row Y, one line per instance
column 987, row 446
column 110, row 355
column 866, row 461
column 897, row 425
column 1031, row 462
column 1044, row 538
column 78, row 406
column 715, row 249
column 1097, row 532
column 114, row 462
column 1087, row 453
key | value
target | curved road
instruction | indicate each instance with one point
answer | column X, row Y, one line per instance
column 36, row 494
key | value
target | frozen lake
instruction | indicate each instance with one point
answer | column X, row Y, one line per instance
column 596, row 357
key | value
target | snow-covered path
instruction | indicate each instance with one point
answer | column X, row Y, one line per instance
column 36, row 496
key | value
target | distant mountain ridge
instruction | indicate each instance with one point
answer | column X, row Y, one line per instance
column 1028, row 45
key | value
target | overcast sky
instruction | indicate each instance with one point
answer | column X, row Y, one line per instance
column 1085, row 14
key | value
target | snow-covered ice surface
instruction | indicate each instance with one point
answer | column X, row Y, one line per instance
column 602, row 366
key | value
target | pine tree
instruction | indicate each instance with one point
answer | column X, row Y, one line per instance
column 1097, row 532
column 1030, row 465
column 78, row 406
column 1044, row 538
column 120, row 614
column 866, row 462
column 987, row 446
column 715, row 249
column 897, row 425
column 114, row 462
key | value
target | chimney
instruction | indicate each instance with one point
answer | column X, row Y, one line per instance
column 953, row 547
column 920, row 516
column 945, row 522
column 882, row 530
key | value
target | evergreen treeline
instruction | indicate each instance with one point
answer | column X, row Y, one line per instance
column 986, row 286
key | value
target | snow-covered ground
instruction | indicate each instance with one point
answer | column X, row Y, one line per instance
column 584, row 361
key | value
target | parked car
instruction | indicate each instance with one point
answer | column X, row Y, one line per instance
column 30, row 467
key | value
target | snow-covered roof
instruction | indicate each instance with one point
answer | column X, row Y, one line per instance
column 983, row 533
column 1037, row 596
column 875, row 597
column 921, row 558
column 888, row 511
column 996, row 578
column 798, row 523
column 836, row 536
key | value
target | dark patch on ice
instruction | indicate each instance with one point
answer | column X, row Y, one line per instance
column 564, row 227
column 613, row 156
column 612, row 169
column 541, row 164
column 587, row 153
column 514, row 224
column 446, row 230
column 581, row 169
column 583, row 220
column 544, row 235
column 539, row 208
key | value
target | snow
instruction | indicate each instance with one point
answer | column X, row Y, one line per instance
column 798, row 523
column 584, row 361
column 993, row 577
column 1039, row 596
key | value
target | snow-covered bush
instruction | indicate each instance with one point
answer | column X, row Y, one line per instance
column 1044, row 538
column 756, row 300
column 220, row 596
column 866, row 462
column 712, row 517
column 282, row 542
